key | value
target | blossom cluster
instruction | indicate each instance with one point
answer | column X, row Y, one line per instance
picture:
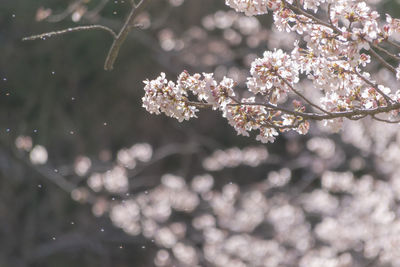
column 242, row 115
column 245, row 114
column 333, row 55
column 225, row 223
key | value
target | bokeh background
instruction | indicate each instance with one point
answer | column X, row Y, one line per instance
column 76, row 191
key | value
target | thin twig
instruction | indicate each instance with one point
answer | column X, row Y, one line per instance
column 389, row 101
column 75, row 29
column 393, row 43
column 383, row 61
column 301, row 95
column 349, row 114
column 383, row 120
column 385, row 51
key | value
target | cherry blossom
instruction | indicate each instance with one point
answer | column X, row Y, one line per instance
column 333, row 52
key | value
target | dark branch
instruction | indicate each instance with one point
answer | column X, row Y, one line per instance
column 120, row 39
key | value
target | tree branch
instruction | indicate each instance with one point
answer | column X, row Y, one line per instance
column 75, row 29
column 120, row 38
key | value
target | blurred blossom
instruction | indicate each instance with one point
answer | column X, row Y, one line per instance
column 95, row 182
column 43, row 13
column 323, row 147
column 355, row 134
column 202, row 183
column 280, row 178
column 143, row 20
column 162, row 258
column 126, row 159
column 208, row 23
column 78, row 13
column 100, row 207
column 237, row 75
column 184, row 200
column 167, row 39
column 142, row 152
column 24, row 143
column 224, row 20
column 149, row 227
column 82, row 165
column 179, row 229
column 230, row 192
column 80, row 194
column 176, row 2
column 232, row 36
column 165, row 238
column 214, row 235
column 173, row 181
column 233, row 157
column 320, row 201
column 185, row 254
column 126, row 216
column 159, row 211
column 337, row 181
column 116, row 180
column 38, row 155
column 204, row 221
column 275, row 38
column 326, row 257
column 247, row 25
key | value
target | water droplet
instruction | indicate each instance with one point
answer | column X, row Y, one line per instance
column 146, row 192
column 143, row 247
column 7, row 94
column 72, row 223
column 105, row 124
column 121, row 247
column 113, row 198
column 102, row 229
column 5, row 79
column 115, row 12
column 54, row 238
column 71, row 132
column 13, row 15
column 72, row 98
column 8, row 130
column 39, row 185
column 35, row 130
column 152, row 241
column 55, row 170
column 53, row 72
column 127, row 194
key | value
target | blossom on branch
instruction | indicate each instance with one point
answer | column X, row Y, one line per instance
column 334, row 54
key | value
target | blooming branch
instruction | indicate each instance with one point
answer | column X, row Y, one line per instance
column 333, row 56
